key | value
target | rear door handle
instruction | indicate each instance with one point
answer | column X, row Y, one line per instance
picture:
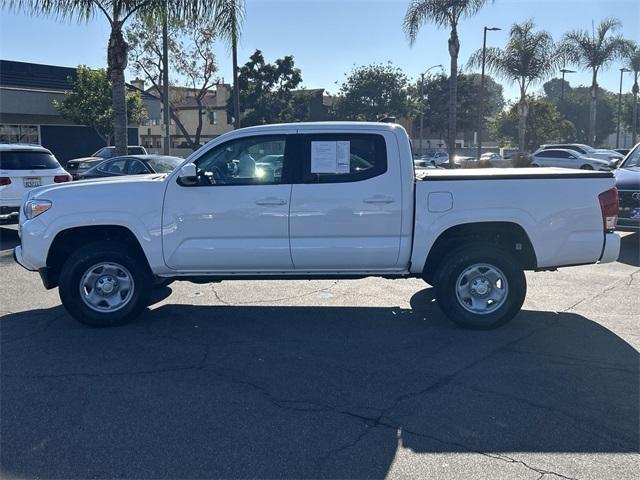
column 379, row 199
column 271, row 201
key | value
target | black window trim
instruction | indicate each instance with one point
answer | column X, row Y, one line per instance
column 380, row 167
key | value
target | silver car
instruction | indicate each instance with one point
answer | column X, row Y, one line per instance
column 569, row 159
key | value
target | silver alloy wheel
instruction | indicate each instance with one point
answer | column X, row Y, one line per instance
column 482, row 288
column 106, row 287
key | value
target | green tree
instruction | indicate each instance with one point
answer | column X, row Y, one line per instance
column 371, row 92
column 117, row 13
column 436, row 101
column 89, row 103
column 228, row 24
column 633, row 62
column 576, row 105
column 594, row 51
column 443, row 14
column 267, row 90
column 545, row 125
column 190, row 47
column 529, row 57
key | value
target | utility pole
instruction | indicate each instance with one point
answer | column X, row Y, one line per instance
column 165, row 79
column 481, row 109
column 622, row 72
column 421, row 149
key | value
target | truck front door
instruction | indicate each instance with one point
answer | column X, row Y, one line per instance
column 236, row 218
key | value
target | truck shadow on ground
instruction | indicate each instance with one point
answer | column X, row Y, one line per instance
column 299, row 392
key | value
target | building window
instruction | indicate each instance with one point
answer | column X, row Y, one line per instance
column 213, row 117
column 19, row 134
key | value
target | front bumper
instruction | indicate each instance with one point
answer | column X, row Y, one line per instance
column 628, row 224
column 611, row 250
column 17, row 257
column 9, row 213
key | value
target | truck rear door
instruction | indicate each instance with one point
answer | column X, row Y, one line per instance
column 346, row 212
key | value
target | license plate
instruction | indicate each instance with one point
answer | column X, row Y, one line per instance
column 31, row 182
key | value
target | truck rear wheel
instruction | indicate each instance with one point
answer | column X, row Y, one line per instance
column 104, row 285
column 480, row 286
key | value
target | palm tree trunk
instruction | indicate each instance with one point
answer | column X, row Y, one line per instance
column 634, row 122
column 523, row 111
column 592, row 111
column 117, row 61
column 454, row 48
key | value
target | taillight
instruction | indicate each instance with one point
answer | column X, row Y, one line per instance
column 609, row 207
column 4, row 181
column 62, row 178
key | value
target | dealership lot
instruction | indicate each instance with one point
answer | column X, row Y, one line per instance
column 324, row 379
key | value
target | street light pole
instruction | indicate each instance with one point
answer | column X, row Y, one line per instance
column 564, row 70
column 622, row 72
column 421, row 148
column 481, row 109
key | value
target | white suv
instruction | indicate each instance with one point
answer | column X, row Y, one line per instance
column 23, row 167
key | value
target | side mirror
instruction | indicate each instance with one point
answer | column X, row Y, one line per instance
column 188, row 175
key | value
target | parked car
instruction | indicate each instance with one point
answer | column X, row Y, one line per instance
column 565, row 158
column 583, row 149
column 347, row 204
column 80, row 165
column 628, row 183
column 132, row 165
column 437, row 158
column 495, row 159
column 22, row 168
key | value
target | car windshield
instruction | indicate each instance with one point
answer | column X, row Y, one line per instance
column 633, row 158
column 27, row 160
column 104, row 152
column 164, row 164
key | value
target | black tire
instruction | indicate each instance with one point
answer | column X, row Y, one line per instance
column 586, row 167
column 463, row 258
column 81, row 261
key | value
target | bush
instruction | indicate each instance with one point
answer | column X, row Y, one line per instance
column 521, row 160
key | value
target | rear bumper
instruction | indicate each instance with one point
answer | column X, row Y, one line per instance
column 611, row 249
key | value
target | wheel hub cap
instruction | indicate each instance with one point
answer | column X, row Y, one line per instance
column 106, row 287
column 482, row 288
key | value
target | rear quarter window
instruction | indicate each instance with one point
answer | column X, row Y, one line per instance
column 27, row 160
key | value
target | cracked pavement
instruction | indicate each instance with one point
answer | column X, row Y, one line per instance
column 324, row 379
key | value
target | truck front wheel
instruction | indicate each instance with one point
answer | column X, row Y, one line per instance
column 480, row 286
column 104, row 285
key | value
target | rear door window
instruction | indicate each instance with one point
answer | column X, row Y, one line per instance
column 337, row 158
column 27, row 160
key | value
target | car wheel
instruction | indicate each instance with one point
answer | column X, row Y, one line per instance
column 104, row 286
column 480, row 286
column 586, row 167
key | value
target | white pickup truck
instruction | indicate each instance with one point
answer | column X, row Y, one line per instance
column 316, row 200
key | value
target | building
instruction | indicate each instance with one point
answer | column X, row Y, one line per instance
column 27, row 114
column 215, row 120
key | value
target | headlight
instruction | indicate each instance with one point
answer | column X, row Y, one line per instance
column 33, row 208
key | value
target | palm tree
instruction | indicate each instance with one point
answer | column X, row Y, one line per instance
column 633, row 62
column 528, row 57
column 594, row 51
column 117, row 12
column 444, row 14
column 228, row 23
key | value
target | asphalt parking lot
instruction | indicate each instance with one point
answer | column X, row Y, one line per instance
column 323, row 379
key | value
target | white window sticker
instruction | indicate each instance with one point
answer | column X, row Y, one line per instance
column 330, row 157
column 323, row 157
column 343, row 157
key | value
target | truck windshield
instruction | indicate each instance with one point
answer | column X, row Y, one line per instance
column 27, row 160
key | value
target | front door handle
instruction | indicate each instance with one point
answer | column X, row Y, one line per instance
column 271, row 201
column 379, row 199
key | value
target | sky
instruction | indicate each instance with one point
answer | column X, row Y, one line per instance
column 328, row 38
